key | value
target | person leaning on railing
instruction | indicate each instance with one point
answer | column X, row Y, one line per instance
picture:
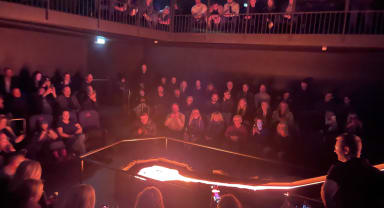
column 215, row 11
column 199, row 11
column 231, row 13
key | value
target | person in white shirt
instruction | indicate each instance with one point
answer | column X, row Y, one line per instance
column 199, row 11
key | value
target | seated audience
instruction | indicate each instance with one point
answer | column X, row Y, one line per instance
column 246, row 94
column 197, row 93
column 8, row 82
column 229, row 88
column 144, row 127
column 262, row 95
column 188, row 106
column 45, row 137
column 264, row 112
column 5, row 146
column 184, row 90
column 28, row 194
column 354, row 125
column 9, row 167
column 65, row 82
column 160, row 104
column 90, row 101
column 210, row 90
column 17, row 104
column 28, row 169
column 173, row 84
column 176, row 97
column 79, row 196
column 282, row 141
column 199, row 11
column 236, row 134
column 260, row 138
column 283, row 114
column 8, row 131
column 150, row 197
column 227, row 107
column 71, row 133
column 270, row 7
column 67, row 101
column 36, row 82
column 3, row 110
column 213, row 105
column 44, row 101
column 215, row 129
column 244, row 110
column 175, row 121
column 194, row 130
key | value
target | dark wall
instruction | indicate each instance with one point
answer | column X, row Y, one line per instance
column 42, row 51
column 277, row 66
column 116, row 56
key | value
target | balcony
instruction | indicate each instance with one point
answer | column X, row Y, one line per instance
column 363, row 29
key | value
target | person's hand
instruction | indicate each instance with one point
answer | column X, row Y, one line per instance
column 140, row 131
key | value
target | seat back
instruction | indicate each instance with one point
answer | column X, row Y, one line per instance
column 89, row 119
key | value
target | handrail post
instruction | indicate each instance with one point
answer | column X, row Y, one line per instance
column 207, row 16
column 98, row 13
column 47, row 10
column 172, row 24
column 346, row 10
column 292, row 15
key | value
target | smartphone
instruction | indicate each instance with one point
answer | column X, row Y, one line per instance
column 216, row 194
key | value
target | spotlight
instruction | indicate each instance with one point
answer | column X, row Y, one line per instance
column 156, row 42
column 245, row 4
column 100, row 40
column 324, row 48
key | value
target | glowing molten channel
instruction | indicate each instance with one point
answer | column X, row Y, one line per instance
column 166, row 174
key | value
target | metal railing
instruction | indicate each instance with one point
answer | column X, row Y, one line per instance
column 326, row 22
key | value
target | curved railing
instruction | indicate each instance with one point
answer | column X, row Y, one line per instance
column 324, row 22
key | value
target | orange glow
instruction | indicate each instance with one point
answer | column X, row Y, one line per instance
column 160, row 173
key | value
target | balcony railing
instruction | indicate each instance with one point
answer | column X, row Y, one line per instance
column 327, row 22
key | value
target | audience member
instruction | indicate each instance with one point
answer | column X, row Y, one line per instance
column 79, row 196
column 150, row 197
column 71, row 133
column 215, row 129
column 194, row 130
column 283, row 114
column 17, row 104
column 144, row 127
column 36, row 82
column 352, row 181
column 10, row 166
column 264, row 112
column 184, row 90
column 90, row 101
column 246, row 94
column 260, row 138
column 148, row 12
column 160, row 104
column 3, row 110
column 46, row 137
column 262, row 95
column 244, row 111
column 197, row 93
column 199, row 11
column 227, row 107
column 28, row 169
column 231, row 13
column 215, row 13
column 229, row 88
column 8, row 132
column 164, row 16
column 175, row 121
column 5, row 146
column 67, row 101
column 28, row 194
column 282, row 141
column 44, row 101
column 236, row 134
column 354, row 125
column 213, row 105
column 8, row 82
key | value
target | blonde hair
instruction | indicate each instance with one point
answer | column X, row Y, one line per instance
column 191, row 118
column 150, row 196
column 239, row 108
column 28, row 169
column 218, row 114
column 80, row 196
